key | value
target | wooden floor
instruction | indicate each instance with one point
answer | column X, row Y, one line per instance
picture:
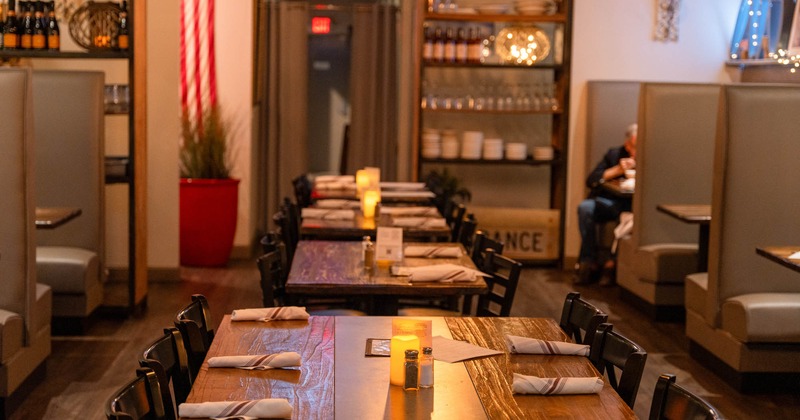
column 83, row 371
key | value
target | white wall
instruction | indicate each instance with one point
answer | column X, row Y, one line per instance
column 612, row 40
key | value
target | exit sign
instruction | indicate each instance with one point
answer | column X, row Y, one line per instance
column 320, row 25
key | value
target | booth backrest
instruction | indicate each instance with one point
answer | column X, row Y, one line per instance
column 17, row 248
column 755, row 197
column 70, row 158
column 606, row 125
column 674, row 157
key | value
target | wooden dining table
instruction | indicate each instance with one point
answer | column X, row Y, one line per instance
column 337, row 380
column 53, row 217
column 326, row 268
column 699, row 214
column 615, row 187
column 780, row 255
column 360, row 226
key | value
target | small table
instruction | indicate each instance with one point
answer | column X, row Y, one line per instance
column 780, row 255
column 423, row 196
column 53, row 217
column 359, row 227
column 614, row 186
column 325, row 268
column 699, row 214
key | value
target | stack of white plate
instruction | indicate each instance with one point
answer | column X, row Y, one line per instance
column 536, row 7
column 516, row 151
column 450, row 147
column 493, row 8
column 493, row 149
column 431, row 143
column 543, row 153
column 471, row 145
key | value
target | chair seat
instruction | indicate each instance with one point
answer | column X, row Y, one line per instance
column 661, row 263
column 12, row 329
column 426, row 312
column 763, row 317
column 66, row 269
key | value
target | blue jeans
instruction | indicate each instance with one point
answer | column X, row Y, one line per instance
column 593, row 213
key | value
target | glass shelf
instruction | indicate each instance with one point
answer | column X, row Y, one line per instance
column 526, row 162
column 64, row 54
column 462, row 17
column 494, row 112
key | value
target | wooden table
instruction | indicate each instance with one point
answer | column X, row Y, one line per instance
column 53, row 217
column 325, row 268
column 387, row 195
column 359, row 227
column 614, row 186
column 332, row 351
column 699, row 214
column 780, row 254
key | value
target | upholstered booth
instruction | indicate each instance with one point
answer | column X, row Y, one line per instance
column 674, row 157
column 24, row 304
column 743, row 317
column 69, row 119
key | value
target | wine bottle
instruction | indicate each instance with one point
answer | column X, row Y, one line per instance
column 122, row 28
column 2, row 25
column 52, row 31
column 450, row 46
column 427, row 49
column 474, row 46
column 39, row 40
column 11, row 29
column 461, row 46
column 26, row 40
column 438, row 45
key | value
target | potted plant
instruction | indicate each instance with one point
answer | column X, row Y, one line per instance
column 208, row 195
column 447, row 188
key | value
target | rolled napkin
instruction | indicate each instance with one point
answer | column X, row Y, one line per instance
column 270, row 314
column 258, row 362
column 517, row 344
column 335, row 203
column 420, row 222
column 411, row 211
column 439, row 272
column 524, row 384
column 432, row 251
column 327, row 214
column 347, row 179
column 268, row 408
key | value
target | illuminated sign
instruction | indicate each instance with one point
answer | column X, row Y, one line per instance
column 320, row 25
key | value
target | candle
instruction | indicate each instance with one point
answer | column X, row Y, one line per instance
column 397, row 356
column 368, row 203
column 362, row 182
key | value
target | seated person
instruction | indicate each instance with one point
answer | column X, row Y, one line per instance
column 601, row 207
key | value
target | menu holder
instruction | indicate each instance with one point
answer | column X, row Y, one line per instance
column 378, row 347
column 389, row 245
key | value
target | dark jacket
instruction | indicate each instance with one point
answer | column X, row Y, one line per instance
column 593, row 181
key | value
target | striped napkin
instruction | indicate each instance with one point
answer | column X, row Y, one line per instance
column 432, row 251
column 268, row 408
column 327, row 214
column 419, row 222
column 258, row 362
column 337, row 203
column 439, row 272
column 527, row 345
column 555, row 386
column 410, row 211
column 270, row 314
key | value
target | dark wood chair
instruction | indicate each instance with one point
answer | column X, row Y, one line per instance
column 194, row 323
column 504, row 277
column 611, row 351
column 480, row 244
column 673, row 402
column 454, row 216
column 466, row 234
column 139, row 399
column 302, row 190
column 580, row 319
column 287, row 219
column 167, row 358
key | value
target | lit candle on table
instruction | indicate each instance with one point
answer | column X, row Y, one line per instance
column 397, row 356
column 368, row 203
column 362, row 182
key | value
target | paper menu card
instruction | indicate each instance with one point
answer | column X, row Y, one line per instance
column 389, row 244
column 795, row 256
column 452, row 351
column 423, row 329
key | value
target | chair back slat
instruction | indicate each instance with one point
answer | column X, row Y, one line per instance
column 611, row 351
column 672, row 401
column 271, row 270
column 168, row 359
column 502, row 282
column 481, row 243
column 466, row 234
column 194, row 323
column 580, row 319
column 139, row 399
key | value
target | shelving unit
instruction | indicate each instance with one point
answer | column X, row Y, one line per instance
column 541, row 126
column 135, row 295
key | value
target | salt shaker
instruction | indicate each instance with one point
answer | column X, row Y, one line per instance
column 368, row 249
column 426, row 368
column 411, row 368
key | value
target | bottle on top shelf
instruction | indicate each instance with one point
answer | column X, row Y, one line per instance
column 26, row 39
column 11, row 28
column 427, row 48
column 39, row 40
column 122, row 35
column 2, row 25
column 450, row 45
column 51, row 30
column 438, row 45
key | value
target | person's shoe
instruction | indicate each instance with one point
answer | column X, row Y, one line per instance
column 586, row 274
column 609, row 276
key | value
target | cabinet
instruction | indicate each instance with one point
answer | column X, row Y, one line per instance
column 131, row 293
column 500, row 99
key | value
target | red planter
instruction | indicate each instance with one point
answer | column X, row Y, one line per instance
column 208, row 210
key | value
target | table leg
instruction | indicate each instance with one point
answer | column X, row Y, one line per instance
column 466, row 309
column 385, row 305
column 702, row 249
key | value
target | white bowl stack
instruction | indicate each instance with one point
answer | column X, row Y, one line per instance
column 516, row 151
column 493, row 149
column 471, row 145
column 431, row 143
column 536, row 7
column 450, row 147
column 543, row 153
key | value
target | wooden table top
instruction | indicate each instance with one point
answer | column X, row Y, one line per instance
column 689, row 213
column 387, row 195
column 476, row 389
column 615, row 187
column 53, row 217
column 780, row 254
column 335, row 267
column 360, row 226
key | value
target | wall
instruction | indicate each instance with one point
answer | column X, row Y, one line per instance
column 612, row 40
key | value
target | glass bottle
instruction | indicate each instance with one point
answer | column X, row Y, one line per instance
column 411, row 369
column 2, row 25
column 123, row 41
column 427, row 49
column 474, row 46
column 26, row 40
column 426, row 368
column 438, row 45
column 450, row 46
column 461, row 46
column 368, row 250
column 52, row 30
column 11, row 29
column 39, row 40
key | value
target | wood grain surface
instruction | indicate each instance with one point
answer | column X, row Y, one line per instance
column 360, row 227
column 780, row 254
column 689, row 213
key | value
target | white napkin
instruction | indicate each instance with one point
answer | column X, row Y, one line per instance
column 268, row 408
column 327, row 214
column 517, row 344
column 270, row 314
column 258, row 362
column 350, row 179
column 420, row 222
column 410, row 211
column 795, row 256
column 439, row 272
column 548, row 386
column 403, row 185
column 335, row 185
column 432, row 251
column 628, row 184
column 335, row 203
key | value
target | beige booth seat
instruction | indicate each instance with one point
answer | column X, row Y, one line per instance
column 674, row 155
column 69, row 122
column 745, row 320
column 24, row 304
